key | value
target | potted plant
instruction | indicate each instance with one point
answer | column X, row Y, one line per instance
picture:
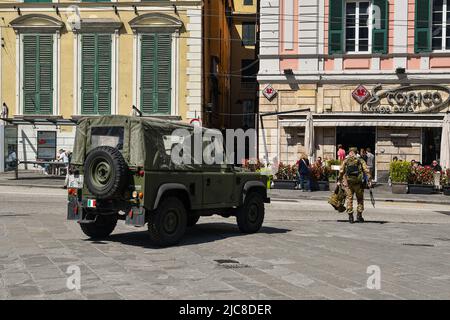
column 319, row 177
column 421, row 180
column 445, row 182
column 399, row 172
column 333, row 174
column 285, row 177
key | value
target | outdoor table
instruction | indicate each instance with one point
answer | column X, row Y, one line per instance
column 54, row 165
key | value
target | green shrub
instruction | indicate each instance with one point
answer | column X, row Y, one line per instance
column 332, row 174
column 400, row 171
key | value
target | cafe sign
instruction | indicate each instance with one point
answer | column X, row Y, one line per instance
column 408, row 99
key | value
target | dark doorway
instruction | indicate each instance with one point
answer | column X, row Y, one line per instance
column 431, row 145
column 359, row 137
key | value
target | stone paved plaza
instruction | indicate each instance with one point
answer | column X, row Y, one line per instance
column 305, row 251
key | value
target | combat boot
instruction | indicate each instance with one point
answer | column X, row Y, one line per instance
column 360, row 218
column 350, row 218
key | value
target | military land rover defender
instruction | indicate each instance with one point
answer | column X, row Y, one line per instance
column 122, row 170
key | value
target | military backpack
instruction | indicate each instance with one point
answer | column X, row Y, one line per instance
column 354, row 171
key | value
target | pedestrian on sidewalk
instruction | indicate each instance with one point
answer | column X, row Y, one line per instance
column 435, row 166
column 341, row 153
column 351, row 177
column 64, row 157
column 370, row 162
column 304, row 173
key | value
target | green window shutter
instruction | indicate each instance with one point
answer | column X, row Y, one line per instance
column 148, row 56
column 29, row 74
column 96, row 74
column 37, row 74
column 164, row 53
column 88, row 74
column 104, row 74
column 156, row 58
column 422, row 30
column 380, row 35
column 336, row 27
column 45, row 74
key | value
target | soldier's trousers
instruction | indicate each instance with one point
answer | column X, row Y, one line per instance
column 358, row 190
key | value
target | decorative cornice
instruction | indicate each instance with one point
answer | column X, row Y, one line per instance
column 36, row 22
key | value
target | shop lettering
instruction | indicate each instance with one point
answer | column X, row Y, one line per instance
column 408, row 99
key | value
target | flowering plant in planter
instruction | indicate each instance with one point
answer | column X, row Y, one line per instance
column 421, row 175
column 445, row 177
column 286, row 172
column 253, row 165
column 320, row 173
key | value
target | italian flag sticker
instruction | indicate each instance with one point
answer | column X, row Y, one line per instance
column 91, row 203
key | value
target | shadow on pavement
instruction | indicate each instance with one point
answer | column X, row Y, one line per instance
column 201, row 233
column 367, row 221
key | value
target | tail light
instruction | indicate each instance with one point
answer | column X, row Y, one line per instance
column 141, row 195
column 141, row 173
column 72, row 192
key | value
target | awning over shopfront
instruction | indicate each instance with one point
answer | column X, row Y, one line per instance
column 40, row 120
column 351, row 120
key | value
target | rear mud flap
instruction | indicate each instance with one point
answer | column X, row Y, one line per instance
column 74, row 210
column 136, row 217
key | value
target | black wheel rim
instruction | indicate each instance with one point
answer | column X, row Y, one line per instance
column 253, row 213
column 171, row 221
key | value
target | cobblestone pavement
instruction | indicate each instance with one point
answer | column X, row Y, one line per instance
column 304, row 251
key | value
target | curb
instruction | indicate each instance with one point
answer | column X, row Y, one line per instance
column 30, row 185
column 445, row 202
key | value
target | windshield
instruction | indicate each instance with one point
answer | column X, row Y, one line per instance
column 107, row 136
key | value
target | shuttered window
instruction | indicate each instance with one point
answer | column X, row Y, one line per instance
column 37, row 74
column 96, row 74
column 350, row 28
column 336, row 27
column 422, row 34
column 156, row 56
column 380, row 27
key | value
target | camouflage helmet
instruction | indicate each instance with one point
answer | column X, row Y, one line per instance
column 355, row 150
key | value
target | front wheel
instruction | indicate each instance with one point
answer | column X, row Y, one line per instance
column 250, row 215
column 102, row 227
column 167, row 224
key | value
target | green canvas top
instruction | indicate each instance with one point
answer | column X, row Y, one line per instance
column 145, row 140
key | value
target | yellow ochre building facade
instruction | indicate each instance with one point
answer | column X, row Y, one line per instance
column 67, row 59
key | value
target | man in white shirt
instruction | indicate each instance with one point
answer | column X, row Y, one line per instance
column 63, row 156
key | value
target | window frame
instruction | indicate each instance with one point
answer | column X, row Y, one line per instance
column 20, row 102
column 174, row 69
column 444, row 24
column 357, row 20
column 77, row 103
column 248, row 119
column 249, row 42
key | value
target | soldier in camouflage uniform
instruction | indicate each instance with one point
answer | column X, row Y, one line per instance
column 351, row 176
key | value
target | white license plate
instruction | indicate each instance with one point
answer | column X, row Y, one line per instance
column 75, row 181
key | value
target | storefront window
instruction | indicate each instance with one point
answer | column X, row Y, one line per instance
column 358, row 26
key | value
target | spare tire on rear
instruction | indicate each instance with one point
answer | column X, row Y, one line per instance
column 105, row 172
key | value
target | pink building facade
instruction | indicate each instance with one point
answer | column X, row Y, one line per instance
column 373, row 73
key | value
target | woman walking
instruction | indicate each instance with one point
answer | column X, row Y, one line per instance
column 304, row 174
